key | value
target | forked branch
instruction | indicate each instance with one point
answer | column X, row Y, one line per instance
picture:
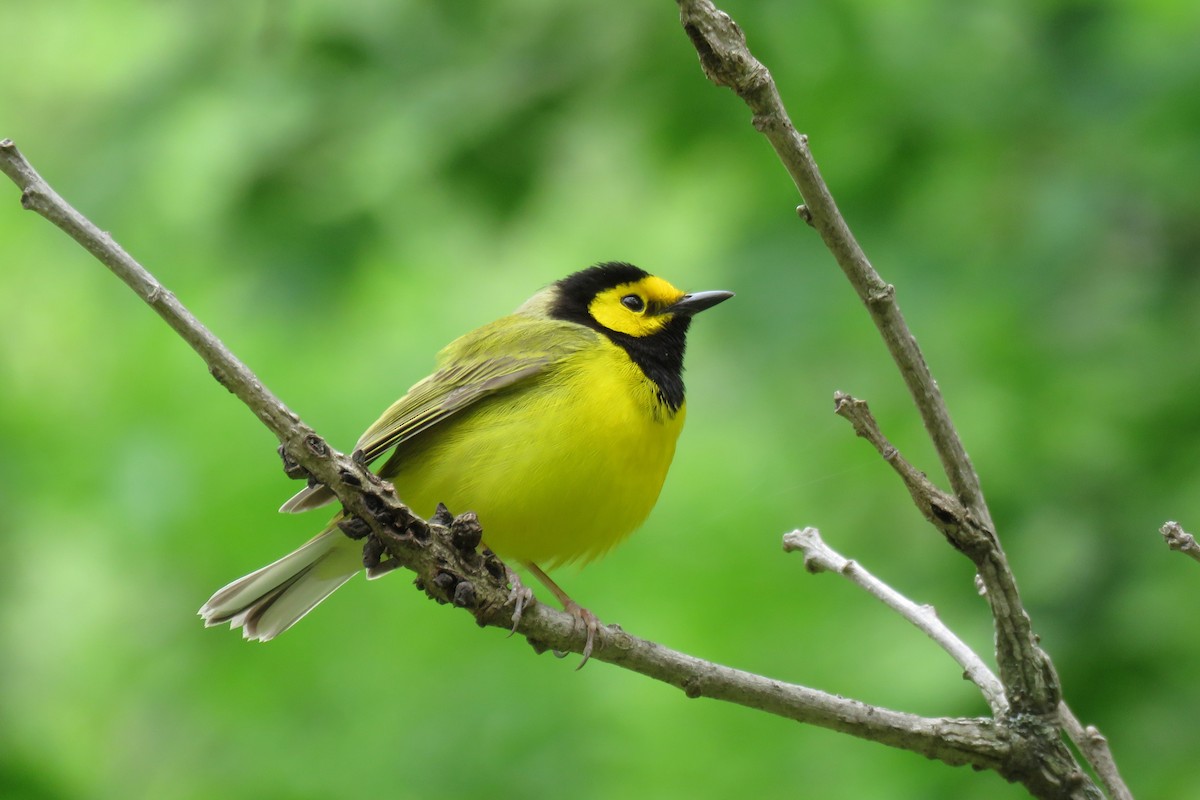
column 1026, row 672
column 820, row 557
column 725, row 58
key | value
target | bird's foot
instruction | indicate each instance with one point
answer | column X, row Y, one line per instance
column 519, row 597
column 591, row 624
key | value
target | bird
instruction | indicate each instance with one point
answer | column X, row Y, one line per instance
column 555, row 424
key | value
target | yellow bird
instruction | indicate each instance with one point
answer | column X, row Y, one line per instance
column 556, row 424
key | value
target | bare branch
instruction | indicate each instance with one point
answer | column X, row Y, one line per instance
column 1180, row 540
column 1025, row 669
column 37, row 196
column 1095, row 750
column 728, row 62
column 1026, row 672
column 978, row 742
column 819, row 557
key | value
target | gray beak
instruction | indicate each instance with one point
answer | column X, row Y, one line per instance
column 696, row 302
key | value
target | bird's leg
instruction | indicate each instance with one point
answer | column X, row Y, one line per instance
column 590, row 622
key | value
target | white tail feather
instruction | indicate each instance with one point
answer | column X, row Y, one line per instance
column 267, row 602
column 307, row 499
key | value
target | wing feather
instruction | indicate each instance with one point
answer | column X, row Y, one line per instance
column 485, row 361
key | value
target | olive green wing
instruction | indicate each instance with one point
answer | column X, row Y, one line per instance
column 497, row 356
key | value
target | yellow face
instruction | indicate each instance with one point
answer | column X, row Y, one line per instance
column 637, row 308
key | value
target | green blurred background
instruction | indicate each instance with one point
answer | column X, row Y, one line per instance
column 338, row 189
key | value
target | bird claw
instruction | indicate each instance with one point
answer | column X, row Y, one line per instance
column 591, row 624
column 519, row 598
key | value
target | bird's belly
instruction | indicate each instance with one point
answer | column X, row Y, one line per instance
column 558, row 471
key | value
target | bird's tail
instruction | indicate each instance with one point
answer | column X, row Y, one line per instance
column 267, row 602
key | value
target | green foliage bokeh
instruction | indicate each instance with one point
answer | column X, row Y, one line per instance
column 338, row 189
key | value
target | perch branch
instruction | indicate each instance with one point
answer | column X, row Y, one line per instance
column 452, row 572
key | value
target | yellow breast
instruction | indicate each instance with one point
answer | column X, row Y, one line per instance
column 558, row 470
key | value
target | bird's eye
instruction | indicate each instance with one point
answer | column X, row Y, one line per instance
column 633, row 302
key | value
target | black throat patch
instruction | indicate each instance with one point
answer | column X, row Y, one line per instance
column 659, row 356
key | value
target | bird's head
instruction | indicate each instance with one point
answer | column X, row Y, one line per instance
column 619, row 298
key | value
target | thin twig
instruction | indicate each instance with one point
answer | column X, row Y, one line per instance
column 1096, row 752
column 820, row 557
column 38, row 196
column 1180, row 540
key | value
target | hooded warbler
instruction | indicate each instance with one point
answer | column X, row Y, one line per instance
column 556, row 424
